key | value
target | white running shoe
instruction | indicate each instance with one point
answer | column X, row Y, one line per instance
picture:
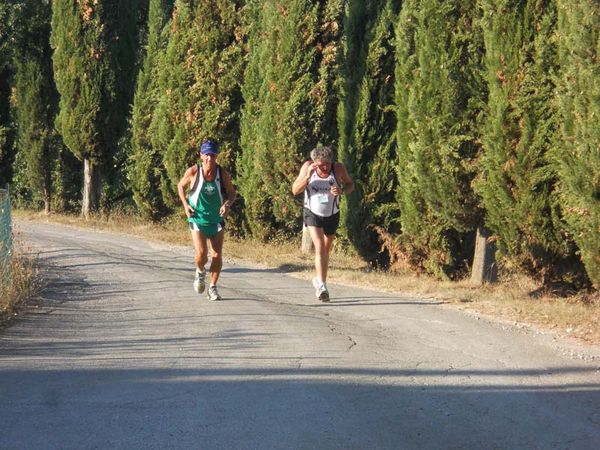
column 213, row 293
column 200, row 282
column 320, row 290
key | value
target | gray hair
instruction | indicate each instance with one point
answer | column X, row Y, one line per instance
column 324, row 153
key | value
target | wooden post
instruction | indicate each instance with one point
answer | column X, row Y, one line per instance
column 307, row 243
column 485, row 269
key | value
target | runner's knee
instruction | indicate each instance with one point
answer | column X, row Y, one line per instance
column 320, row 249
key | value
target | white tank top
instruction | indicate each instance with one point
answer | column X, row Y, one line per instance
column 318, row 197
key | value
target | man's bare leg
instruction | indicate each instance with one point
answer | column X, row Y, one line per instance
column 323, row 245
column 216, row 262
column 200, row 250
column 200, row 258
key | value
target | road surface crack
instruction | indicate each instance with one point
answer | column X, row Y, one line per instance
column 352, row 343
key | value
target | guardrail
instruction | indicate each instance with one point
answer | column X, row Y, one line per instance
column 5, row 226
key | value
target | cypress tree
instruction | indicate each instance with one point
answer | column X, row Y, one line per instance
column 517, row 180
column 578, row 158
column 7, row 134
column 94, row 46
column 199, row 80
column 366, row 119
column 36, row 96
column 67, row 182
column 289, row 106
column 146, row 169
column 439, row 93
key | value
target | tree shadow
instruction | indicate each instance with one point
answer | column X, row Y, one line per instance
column 113, row 388
column 378, row 301
column 280, row 408
column 282, row 268
column 556, row 290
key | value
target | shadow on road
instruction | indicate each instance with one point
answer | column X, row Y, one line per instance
column 283, row 268
column 294, row 408
column 376, row 301
column 222, row 389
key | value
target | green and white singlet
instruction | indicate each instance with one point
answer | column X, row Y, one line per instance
column 206, row 198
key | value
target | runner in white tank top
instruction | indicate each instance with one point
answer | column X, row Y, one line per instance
column 318, row 196
column 323, row 182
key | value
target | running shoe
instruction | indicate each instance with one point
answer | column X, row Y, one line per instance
column 199, row 282
column 320, row 290
column 213, row 293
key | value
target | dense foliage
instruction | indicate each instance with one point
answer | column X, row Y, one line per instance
column 146, row 169
column 578, row 155
column 36, row 97
column 517, row 180
column 7, row 133
column 439, row 94
column 289, row 106
column 449, row 114
column 367, row 121
column 94, row 45
column 199, row 77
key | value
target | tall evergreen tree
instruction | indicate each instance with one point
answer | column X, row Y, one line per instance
column 517, row 180
column 439, row 94
column 36, row 96
column 578, row 158
column 94, row 46
column 67, row 182
column 199, row 79
column 289, row 106
column 7, row 134
column 146, row 169
column 366, row 119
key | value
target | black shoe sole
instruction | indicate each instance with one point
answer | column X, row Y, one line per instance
column 324, row 297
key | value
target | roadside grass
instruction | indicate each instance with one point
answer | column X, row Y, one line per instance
column 19, row 282
column 515, row 299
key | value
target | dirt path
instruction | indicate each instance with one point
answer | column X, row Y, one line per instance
column 124, row 354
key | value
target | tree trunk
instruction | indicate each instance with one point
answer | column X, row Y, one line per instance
column 307, row 243
column 91, row 188
column 47, row 201
column 485, row 269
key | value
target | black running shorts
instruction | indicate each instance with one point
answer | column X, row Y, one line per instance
column 329, row 224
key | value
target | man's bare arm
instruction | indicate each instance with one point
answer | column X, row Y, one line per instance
column 303, row 178
column 347, row 182
column 231, row 194
column 181, row 187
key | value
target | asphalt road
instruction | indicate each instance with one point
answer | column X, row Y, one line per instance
column 123, row 354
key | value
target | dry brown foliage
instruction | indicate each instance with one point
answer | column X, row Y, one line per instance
column 18, row 283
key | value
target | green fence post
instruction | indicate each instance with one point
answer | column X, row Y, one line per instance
column 5, row 225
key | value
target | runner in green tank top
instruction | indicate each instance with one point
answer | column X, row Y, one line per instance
column 206, row 208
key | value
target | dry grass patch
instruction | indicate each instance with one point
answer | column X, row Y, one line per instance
column 515, row 299
column 18, row 283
